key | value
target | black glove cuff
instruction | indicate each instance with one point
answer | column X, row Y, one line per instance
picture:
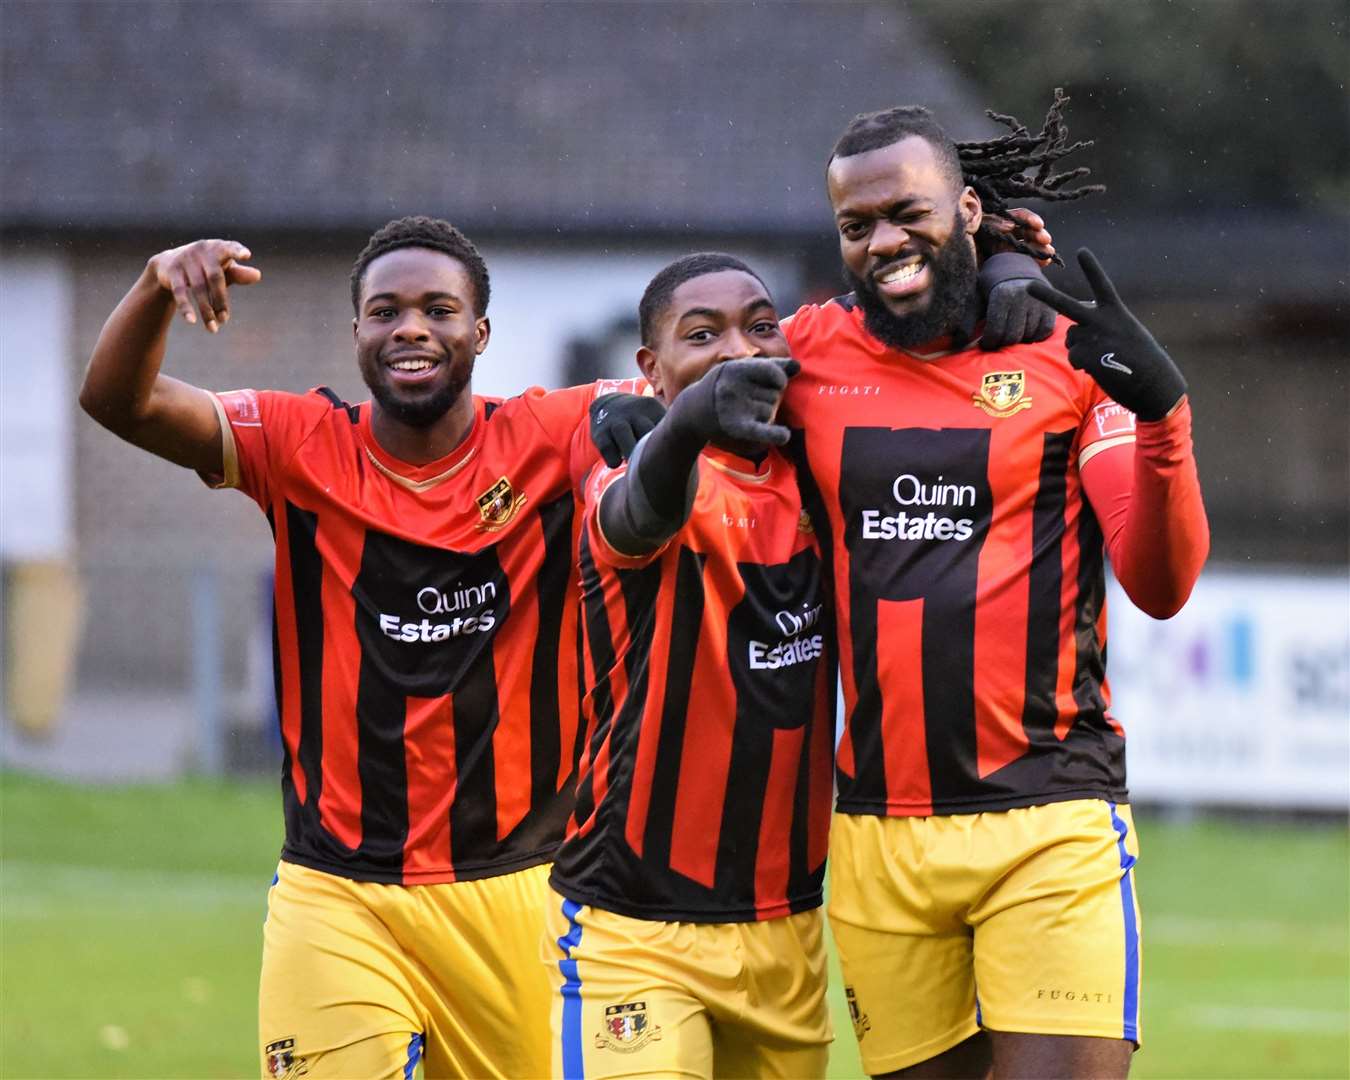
column 1007, row 266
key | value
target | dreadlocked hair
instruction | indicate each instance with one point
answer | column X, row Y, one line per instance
column 998, row 170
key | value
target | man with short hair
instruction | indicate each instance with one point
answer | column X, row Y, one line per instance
column 686, row 937
column 982, row 891
column 425, row 641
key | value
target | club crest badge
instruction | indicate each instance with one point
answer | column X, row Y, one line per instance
column 1002, row 393
column 627, row 1028
column 282, row 1063
column 862, row 1024
column 804, row 524
column 499, row 504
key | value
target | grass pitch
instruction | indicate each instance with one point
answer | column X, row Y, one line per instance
column 130, row 931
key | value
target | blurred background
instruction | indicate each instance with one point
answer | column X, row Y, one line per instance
column 582, row 145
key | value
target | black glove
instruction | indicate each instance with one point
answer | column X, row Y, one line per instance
column 618, row 421
column 1114, row 347
column 1011, row 316
column 735, row 400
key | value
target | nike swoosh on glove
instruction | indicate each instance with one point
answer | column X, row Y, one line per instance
column 1114, row 347
column 618, row 421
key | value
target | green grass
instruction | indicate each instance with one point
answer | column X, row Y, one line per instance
column 130, row 927
column 1247, row 950
column 130, row 930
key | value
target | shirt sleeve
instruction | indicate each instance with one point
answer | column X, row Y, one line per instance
column 1106, row 424
column 557, row 412
column 1146, row 494
column 1005, row 266
column 565, row 417
column 800, row 328
column 600, row 479
column 260, row 431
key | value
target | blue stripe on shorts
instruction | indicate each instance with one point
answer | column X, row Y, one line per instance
column 276, row 876
column 572, row 1062
column 414, row 1055
column 1131, row 1005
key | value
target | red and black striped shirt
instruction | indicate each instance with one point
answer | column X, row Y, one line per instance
column 967, row 566
column 425, row 636
column 705, row 789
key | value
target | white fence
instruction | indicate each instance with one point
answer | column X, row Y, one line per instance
column 1244, row 697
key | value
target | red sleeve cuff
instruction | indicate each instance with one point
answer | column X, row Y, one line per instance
column 1166, row 441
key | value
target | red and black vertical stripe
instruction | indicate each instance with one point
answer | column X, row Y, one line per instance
column 942, row 573
column 306, row 567
column 685, row 623
column 393, row 571
column 601, row 654
column 1045, row 583
column 555, row 520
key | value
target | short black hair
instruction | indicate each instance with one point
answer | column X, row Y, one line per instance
column 656, row 297
column 424, row 232
column 873, row 130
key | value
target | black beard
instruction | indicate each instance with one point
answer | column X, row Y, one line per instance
column 420, row 412
column 953, row 308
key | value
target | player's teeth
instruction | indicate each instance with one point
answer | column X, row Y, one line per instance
column 411, row 365
column 903, row 273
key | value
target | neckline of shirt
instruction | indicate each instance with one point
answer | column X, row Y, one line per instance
column 738, row 467
column 422, row 477
column 916, row 354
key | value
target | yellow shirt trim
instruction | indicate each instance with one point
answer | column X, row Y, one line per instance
column 1105, row 444
column 229, row 452
column 419, row 485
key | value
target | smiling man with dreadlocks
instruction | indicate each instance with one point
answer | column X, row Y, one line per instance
column 982, row 892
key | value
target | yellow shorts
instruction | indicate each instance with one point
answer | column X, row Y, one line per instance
column 1022, row 920
column 636, row 997
column 362, row 979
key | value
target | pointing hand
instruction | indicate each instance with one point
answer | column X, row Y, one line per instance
column 199, row 275
column 737, row 400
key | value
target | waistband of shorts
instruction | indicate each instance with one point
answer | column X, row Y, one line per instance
column 437, row 876
column 621, row 905
column 953, row 807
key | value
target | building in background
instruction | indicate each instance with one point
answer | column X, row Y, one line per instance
column 582, row 146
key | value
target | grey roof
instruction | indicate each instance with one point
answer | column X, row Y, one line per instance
column 542, row 116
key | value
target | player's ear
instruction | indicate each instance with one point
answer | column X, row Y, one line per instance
column 482, row 330
column 651, row 370
column 355, row 323
column 971, row 209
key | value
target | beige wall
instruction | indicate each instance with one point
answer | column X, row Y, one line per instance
column 1272, row 426
column 143, row 524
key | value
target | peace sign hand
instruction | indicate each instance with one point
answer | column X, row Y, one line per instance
column 1114, row 347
